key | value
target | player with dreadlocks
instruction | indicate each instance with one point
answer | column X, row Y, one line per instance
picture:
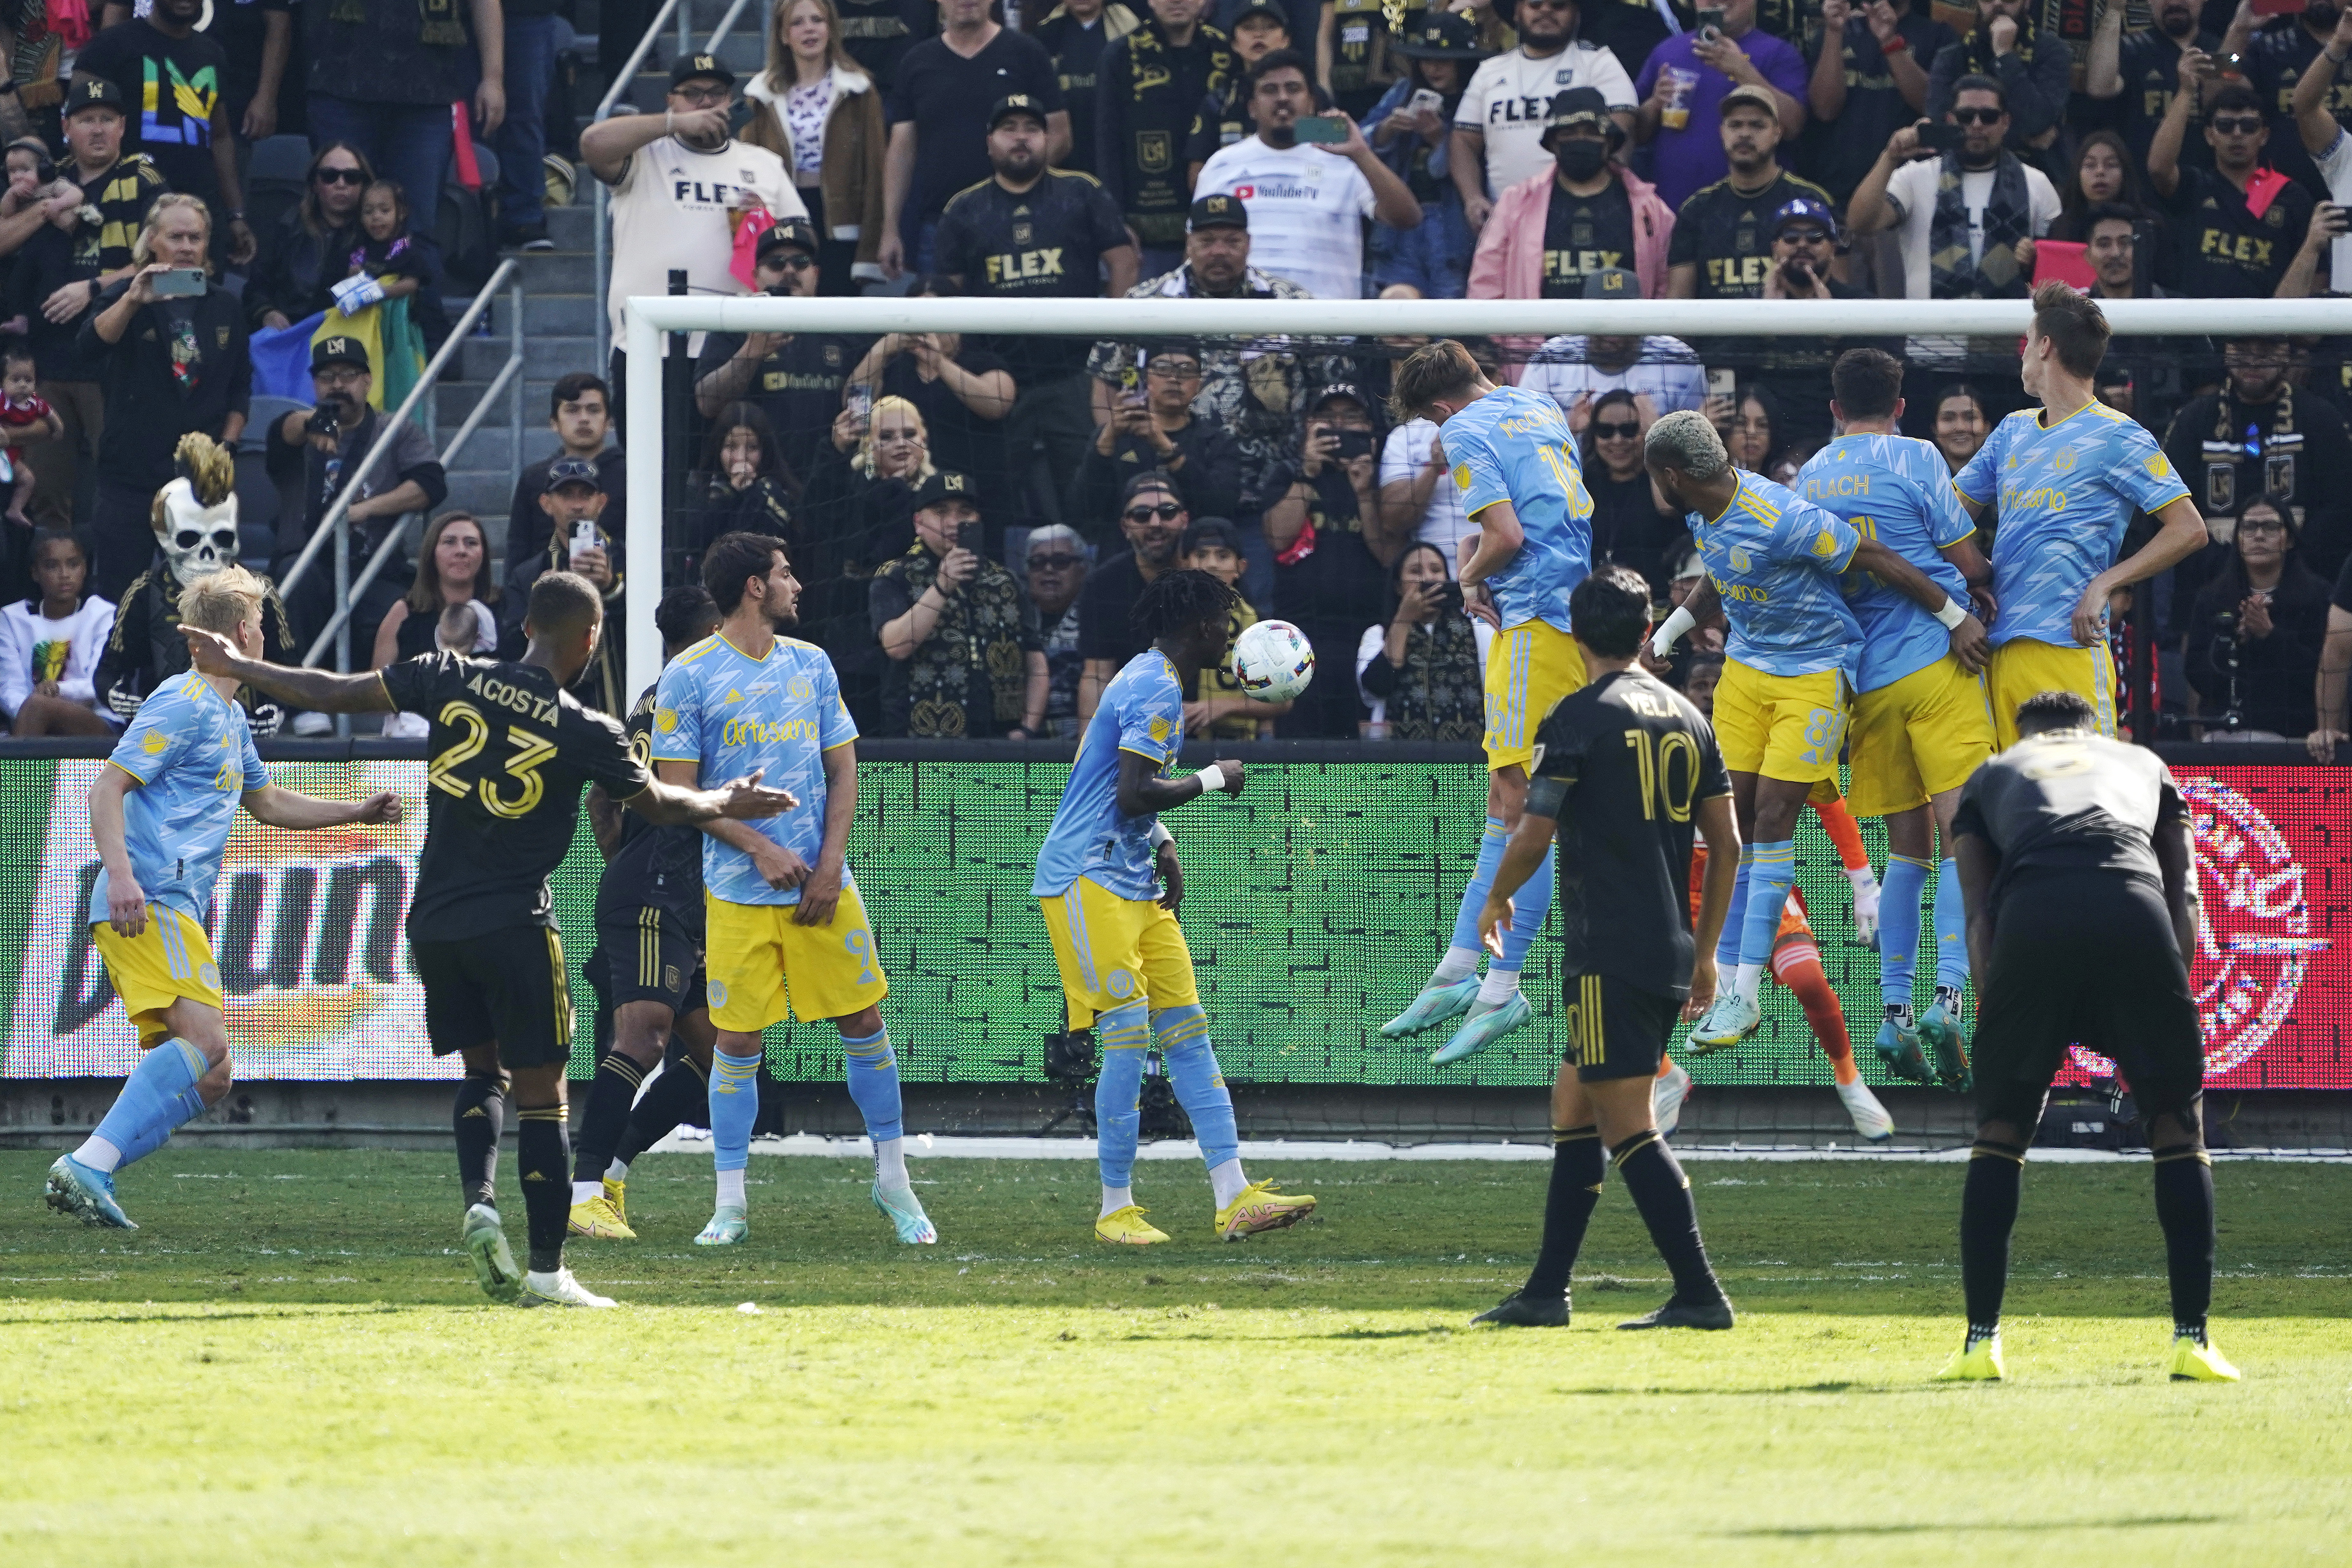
column 1125, row 969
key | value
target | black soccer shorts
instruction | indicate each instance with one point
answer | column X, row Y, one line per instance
column 508, row 986
column 1616, row 1029
column 650, row 954
column 2087, row 957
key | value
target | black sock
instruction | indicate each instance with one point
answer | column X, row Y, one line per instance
column 480, row 1119
column 2184, row 1206
column 609, row 1099
column 683, row 1089
column 542, row 1151
column 1579, row 1165
column 1988, row 1214
column 1662, row 1192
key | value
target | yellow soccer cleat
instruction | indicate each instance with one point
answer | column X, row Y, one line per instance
column 600, row 1219
column 1128, row 1227
column 1259, row 1207
column 2194, row 1363
column 616, row 1193
column 1978, row 1361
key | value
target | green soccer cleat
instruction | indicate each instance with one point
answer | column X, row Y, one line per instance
column 904, row 1211
column 1438, row 1001
column 2196, row 1363
column 1899, row 1053
column 1518, row 1312
column 493, row 1260
column 728, row 1226
column 75, row 1189
column 1730, row 1019
column 1681, row 1314
column 1940, row 1031
column 1483, row 1029
column 1979, row 1361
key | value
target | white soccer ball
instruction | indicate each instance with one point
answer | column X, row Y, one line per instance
column 1273, row 661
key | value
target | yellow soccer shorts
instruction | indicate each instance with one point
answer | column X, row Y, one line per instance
column 1786, row 727
column 1113, row 951
column 1916, row 737
column 169, row 959
column 2025, row 668
column 1529, row 669
column 756, row 958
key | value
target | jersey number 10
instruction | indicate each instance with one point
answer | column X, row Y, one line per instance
column 1655, row 756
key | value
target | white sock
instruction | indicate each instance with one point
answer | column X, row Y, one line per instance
column 1746, row 980
column 1500, row 986
column 583, row 1191
column 891, row 1164
column 1226, row 1181
column 1116, row 1199
column 1459, row 963
column 618, row 1171
column 731, row 1190
column 99, row 1154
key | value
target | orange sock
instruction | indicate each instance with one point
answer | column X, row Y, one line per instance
column 1798, row 965
column 1845, row 833
column 1665, row 1065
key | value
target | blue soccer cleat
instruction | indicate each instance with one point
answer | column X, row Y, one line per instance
column 728, row 1226
column 1483, row 1029
column 1940, row 1031
column 1436, row 1002
column 905, row 1212
column 1898, row 1051
column 89, row 1196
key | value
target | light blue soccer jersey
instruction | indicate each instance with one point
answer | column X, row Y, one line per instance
column 2066, row 495
column 1775, row 560
column 1514, row 446
column 733, row 715
column 1142, row 711
column 192, row 752
column 1900, row 492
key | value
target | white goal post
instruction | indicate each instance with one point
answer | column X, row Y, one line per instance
column 650, row 316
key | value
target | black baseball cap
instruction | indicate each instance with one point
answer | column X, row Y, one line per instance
column 1611, row 283
column 338, row 350
column 795, row 231
column 93, row 92
column 1347, row 389
column 1207, row 532
column 946, row 486
column 1581, row 106
column 1027, row 103
column 570, row 471
column 1267, row 8
column 1441, row 36
column 1218, row 211
column 1150, row 479
column 693, row 67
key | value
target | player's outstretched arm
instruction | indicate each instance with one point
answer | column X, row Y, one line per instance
column 303, row 812
column 126, row 902
column 1720, row 828
column 737, row 800
column 319, row 691
column 1968, row 644
column 2180, row 533
column 1143, row 793
column 1521, row 859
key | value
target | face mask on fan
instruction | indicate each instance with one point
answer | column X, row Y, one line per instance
column 1578, row 158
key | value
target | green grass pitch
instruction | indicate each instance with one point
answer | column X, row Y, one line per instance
column 289, row 1363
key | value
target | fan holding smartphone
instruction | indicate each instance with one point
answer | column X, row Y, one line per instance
column 1970, row 238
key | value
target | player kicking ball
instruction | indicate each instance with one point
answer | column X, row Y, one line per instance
column 1624, row 770
column 1126, row 971
column 785, row 930
column 160, row 813
column 2081, row 880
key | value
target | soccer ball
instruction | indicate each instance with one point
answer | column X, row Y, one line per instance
column 1273, row 661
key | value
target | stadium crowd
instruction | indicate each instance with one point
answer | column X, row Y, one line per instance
column 973, row 520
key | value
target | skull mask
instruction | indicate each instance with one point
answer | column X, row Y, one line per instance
column 198, row 540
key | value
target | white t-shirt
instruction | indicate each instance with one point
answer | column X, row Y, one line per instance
column 1305, row 206
column 671, row 210
column 1668, row 373
column 2336, row 168
column 1509, row 98
column 1442, row 521
column 1912, row 188
column 34, row 649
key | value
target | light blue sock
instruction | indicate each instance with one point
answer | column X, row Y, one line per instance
column 874, row 1083
column 1126, row 1036
column 1184, row 1037
column 159, row 1095
column 1898, row 928
column 1530, row 904
column 1727, row 946
column 1951, row 928
column 1491, row 845
column 1770, row 878
column 734, row 1106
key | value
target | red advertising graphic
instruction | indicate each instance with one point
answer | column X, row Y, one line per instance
column 2274, row 971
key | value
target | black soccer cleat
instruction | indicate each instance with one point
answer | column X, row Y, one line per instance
column 1518, row 1312
column 1680, row 1315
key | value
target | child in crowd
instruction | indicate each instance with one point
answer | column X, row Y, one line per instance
column 1215, row 706
column 24, row 416
column 386, row 256
column 465, row 629
column 50, row 643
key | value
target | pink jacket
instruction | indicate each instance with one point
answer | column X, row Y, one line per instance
column 1509, row 263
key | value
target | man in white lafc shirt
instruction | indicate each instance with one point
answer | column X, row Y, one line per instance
column 678, row 179
column 2331, row 149
column 1498, row 125
column 1305, row 200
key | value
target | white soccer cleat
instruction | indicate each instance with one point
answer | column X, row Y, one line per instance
column 558, row 1289
column 1667, row 1093
column 1729, row 1020
column 1870, row 1117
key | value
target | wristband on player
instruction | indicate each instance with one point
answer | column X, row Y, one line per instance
column 1951, row 615
column 1662, row 642
column 1160, row 836
column 1212, row 779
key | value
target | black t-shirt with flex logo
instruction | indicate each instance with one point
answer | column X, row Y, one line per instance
column 1583, row 234
column 510, row 755
column 1620, row 765
column 2223, row 248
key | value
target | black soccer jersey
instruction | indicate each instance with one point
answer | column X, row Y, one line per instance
column 510, row 755
column 1045, row 243
column 652, row 867
column 2067, row 801
column 1728, row 233
column 1619, row 764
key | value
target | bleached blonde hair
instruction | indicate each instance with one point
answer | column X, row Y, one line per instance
column 223, row 601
